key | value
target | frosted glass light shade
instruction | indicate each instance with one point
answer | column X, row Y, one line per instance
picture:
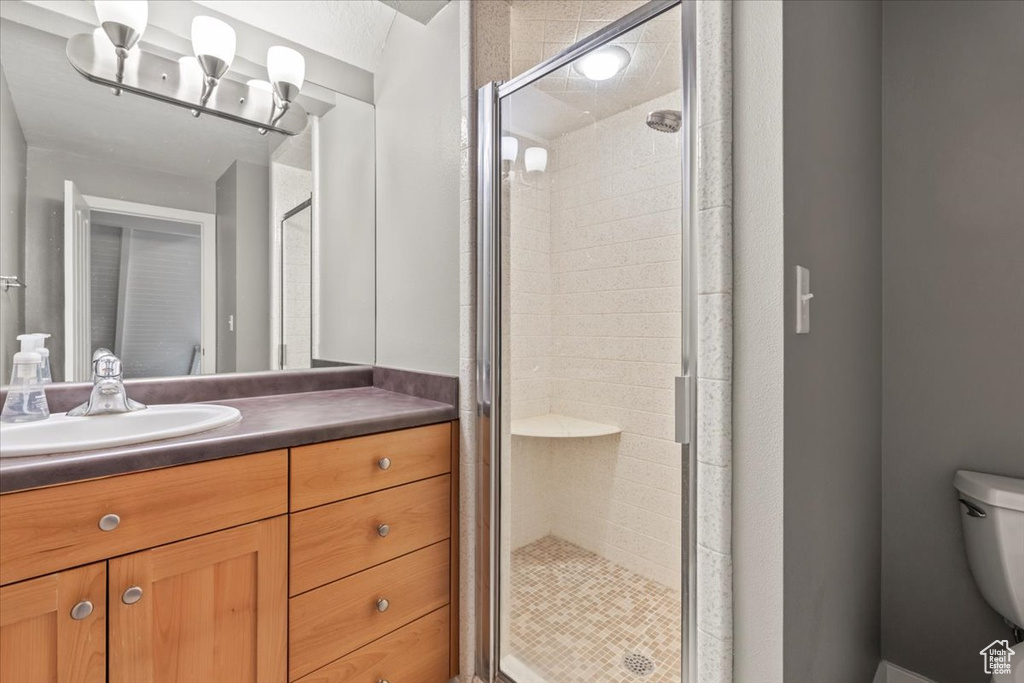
column 535, row 159
column 131, row 13
column 604, row 63
column 285, row 65
column 213, row 38
column 190, row 69
column 509, row 148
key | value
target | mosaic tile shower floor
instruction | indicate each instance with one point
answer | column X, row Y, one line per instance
column 575, row 615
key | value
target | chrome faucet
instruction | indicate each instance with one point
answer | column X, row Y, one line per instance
column 108, row 396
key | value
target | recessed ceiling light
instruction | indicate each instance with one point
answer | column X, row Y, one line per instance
column 600, row 65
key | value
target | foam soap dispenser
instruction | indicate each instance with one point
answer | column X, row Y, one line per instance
column 36, row 342
column 26, row 398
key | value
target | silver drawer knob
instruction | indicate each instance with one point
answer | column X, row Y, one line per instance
column 132, row 595
column 109, row 522
column 382, row 605
column 383, row 680
column 384, row 463
column 81, row 610
column 383, row 530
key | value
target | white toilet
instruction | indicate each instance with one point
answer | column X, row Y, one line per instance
column 992, row 514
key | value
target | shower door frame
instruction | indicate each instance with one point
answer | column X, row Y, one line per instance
column 489, row 330
column 282, row 347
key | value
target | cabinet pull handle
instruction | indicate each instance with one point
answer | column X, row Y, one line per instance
column 81, row 610
column 132, row 595
column 109, row 522
column 382, row 605
column 384, row 463
column 383, row 530
column 383, row 680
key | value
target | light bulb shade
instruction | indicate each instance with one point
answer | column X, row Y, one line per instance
column 602, row 64
column 509, row 148
column 131, row 13
column 286, row 66
column 213, row 42
column 535, row 159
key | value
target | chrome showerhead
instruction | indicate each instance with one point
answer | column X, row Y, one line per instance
column 665, row 120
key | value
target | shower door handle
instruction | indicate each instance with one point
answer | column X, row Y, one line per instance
column 684, row 415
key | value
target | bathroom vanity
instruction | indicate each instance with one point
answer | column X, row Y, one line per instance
column 332, row 559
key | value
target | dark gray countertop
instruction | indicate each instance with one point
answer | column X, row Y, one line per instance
column 268, row 422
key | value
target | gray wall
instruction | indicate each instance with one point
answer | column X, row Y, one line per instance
column 954, row 312
column 13, row 168
column 417, row 99
column 44, row 234
column 243, row 267
column 833, row 132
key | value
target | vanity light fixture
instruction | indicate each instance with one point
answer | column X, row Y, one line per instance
column 509, row 148
column 123, row 22
column 535, row 159
column 194, row 82
column 604, row 63
column 287, row 70
column 213, row 42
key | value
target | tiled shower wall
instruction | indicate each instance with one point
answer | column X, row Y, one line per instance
column 596, row 301
column 291, row 187
column 485, row 29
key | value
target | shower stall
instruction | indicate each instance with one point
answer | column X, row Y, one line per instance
column 585, row 348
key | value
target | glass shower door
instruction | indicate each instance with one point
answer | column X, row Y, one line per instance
column 589, row 338
column 297, row 287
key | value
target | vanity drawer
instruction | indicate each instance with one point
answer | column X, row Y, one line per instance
column 326, row 472
column 335, row 620
column 332, row 541
column 417, row 653
column 45, row 530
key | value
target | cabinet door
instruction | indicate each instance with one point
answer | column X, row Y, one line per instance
column 54, row 628
column 212, row 608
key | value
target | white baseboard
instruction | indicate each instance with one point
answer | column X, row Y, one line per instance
column 890, row 673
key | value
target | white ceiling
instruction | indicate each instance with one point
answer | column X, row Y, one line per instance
column 59, row 109
column 353, row 31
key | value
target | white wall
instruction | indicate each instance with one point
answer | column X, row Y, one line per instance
column 347, row 213
column 417, row 106
column 758, row 343
column 13, row 169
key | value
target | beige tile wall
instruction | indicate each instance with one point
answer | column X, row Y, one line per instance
column 596, row 322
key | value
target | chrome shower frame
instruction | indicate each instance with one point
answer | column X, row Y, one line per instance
column 489, row 306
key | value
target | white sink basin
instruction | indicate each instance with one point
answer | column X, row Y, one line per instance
column 63, row 434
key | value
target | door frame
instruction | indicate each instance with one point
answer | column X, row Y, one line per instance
column 207, row 223
column 489, row 330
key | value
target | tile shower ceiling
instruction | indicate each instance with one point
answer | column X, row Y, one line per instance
column 543, row 28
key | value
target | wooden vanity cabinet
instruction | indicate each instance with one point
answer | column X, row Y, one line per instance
column 53, row 629
column 182, row 574
column 212, row 608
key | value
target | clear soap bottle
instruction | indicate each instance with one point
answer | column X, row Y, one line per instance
column 26, row 397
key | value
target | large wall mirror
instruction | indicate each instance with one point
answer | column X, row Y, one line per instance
column 185, row 244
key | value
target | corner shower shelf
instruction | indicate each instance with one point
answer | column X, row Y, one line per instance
column 554, row 426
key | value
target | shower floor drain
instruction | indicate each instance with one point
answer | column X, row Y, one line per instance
column 638, row 664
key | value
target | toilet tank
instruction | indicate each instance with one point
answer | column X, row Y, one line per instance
column 992, row 515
